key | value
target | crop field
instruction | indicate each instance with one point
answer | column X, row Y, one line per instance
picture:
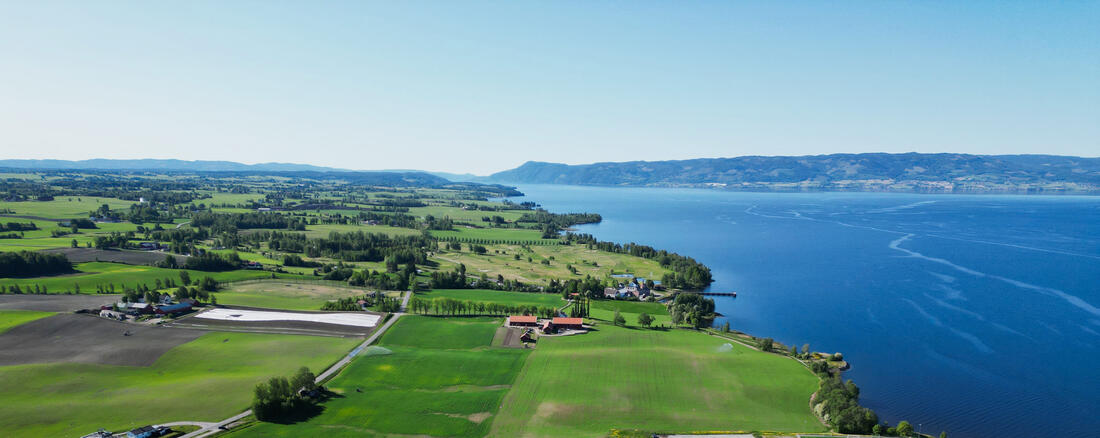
column 284, row 295
column 653, row 380
column 495, row 296
column 207, row 379
column 91, row 274
column 81, row 255
column 442, row 379
column 12, row 318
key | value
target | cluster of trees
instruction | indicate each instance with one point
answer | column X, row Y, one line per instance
column 451, row 306
column 693, row 309
column 280, row 398
column 400, row 220
column 114, row 240
column 33, row 264
column 687, row 273
column 370, row 247
column 838, row 403
column 297, row 260
column 16, row 226
column 243, row 221
column 558, row 221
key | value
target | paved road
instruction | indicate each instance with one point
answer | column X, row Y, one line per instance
column 182, row 224
column 207, row 429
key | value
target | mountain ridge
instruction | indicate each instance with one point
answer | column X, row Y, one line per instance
column 908, row 172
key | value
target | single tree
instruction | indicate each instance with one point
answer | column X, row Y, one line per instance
column 904, row 428
column 645, row 320
column 619, row 320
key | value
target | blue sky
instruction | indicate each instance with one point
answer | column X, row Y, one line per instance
column 484, row 86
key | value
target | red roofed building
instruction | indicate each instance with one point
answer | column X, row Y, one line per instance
column 568, row 323
column 523, row 321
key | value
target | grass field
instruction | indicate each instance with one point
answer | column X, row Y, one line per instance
column 605, row 310
column 284, row 295
column 64, row 208
column 505, row 234
column 494, row 296
column 442, row 379
column 12, row 318
column 204, row 380
column 662, row 381
column 94, row 273
column 324, row 230
column 501, row 260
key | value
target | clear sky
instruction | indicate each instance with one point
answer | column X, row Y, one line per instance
column 481, row 87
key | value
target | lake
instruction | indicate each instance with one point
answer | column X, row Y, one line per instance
column 973, row 314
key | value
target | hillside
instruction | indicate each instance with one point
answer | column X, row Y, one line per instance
column 910, row 172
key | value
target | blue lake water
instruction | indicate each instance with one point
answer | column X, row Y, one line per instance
column 977, row 315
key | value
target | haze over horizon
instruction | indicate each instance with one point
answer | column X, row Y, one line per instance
column 483, row 87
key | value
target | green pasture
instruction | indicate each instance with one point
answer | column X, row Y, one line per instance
column 208, row 379
column 91, row 274
column 460, row 215
column 605, row 310
column 442, row 379
column 653, row 380
column 12, row 318
column 324, row 230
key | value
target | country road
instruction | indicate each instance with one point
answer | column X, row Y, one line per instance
column 208, row 429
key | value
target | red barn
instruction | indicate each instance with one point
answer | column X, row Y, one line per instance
column 522, row 321
column 568, row 323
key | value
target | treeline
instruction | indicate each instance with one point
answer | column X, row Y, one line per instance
column 452, row 307
column 380, row 301
column 687, row 273
column 210, row 262
column 559, row 220
column 33, row 264
column 370, row 247
column 693, row 309
column 16, row 226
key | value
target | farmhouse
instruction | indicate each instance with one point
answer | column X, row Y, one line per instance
column 522, row 321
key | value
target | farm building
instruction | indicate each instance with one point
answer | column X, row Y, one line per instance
column 172, row 309
column 522, row 321
column 142, row 432
column 568, row 323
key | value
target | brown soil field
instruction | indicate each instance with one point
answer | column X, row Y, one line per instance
column 81, row 255
column 55, row 302
column 88, row 339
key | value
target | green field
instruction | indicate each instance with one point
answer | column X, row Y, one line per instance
column 95, row 273
column 498, row 234
column 495, row 296
column 442, row 379
column 207, row 379
column 12, row 318
column 500, row 260
column 605, row 310
column 661, row 381
column 63, row 208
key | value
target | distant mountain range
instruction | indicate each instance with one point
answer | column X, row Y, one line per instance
column 911, row 172
column 154, row 164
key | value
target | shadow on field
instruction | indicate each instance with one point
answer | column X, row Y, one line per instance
column 308, row 410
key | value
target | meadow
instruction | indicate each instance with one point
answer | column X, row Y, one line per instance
column 207, row 379
column 501, row 260
column 440, row 378
column 64, row 207
column 654, row 380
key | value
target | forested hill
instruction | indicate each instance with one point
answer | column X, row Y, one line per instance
column 910, row 172
column 155, row 164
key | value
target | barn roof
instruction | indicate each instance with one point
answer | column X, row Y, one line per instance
column 523, row 319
